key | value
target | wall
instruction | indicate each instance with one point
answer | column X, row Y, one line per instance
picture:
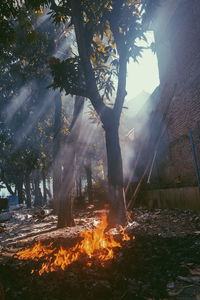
column 177, row 35
column 185, row 198
column 174, row 109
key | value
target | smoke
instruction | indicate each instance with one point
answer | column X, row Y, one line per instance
column 86, row 140
column 66, row 45
column 135, row 131
column 40, row 110
column 18, row 100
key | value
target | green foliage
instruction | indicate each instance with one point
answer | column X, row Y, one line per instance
column 112, row 28
column 26, row 133
column 111, row 31
column 67, row 75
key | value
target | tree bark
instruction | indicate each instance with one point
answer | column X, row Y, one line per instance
column 44, row 187
column 20, row 190
column 28, row 190
column 79, row 195
column 117, row 214
column 9, row 188
column 37, row 191
column 57, row 165
column 65, row 212
column 79, row 183
column 88, row 170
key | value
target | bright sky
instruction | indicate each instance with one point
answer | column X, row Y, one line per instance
column 143, row 76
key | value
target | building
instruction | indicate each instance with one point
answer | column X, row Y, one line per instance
column 170, row 138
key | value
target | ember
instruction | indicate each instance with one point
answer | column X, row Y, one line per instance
column 96, row 244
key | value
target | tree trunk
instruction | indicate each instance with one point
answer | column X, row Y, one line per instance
column 65, row 213
column 88, row 170
column 44, row 187
column 20, row 190
column 37, row 191
column 104, row 166
column 79, row 194
column 28, row 190
column 57, row 164
column 9, row 188
column 107, row 115
column 117, row 214
column 79, row 183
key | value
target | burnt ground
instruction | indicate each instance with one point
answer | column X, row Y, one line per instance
column 162, row 262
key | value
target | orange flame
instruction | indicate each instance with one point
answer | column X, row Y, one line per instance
column 95, row 244
column 38, row 251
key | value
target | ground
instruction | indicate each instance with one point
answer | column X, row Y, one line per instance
column 162, row 261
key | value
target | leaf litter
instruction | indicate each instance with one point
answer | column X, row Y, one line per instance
column 162, row 262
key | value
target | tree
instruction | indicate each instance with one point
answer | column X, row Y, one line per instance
column 106, row 34
column 24, row 124
column 65, row 209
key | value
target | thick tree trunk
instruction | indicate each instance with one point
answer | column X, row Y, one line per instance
column 65, row 212
column 28, row 190
column 117, row 213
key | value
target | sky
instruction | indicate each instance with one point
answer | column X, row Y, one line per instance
column 143, row 76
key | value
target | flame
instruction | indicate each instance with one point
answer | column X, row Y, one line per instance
column 38, row 251
column 96, row 244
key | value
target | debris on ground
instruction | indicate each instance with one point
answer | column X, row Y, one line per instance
column 5, row 216
column 161, row 262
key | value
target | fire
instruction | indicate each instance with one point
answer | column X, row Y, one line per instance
column 38, row 251
column 96, row 244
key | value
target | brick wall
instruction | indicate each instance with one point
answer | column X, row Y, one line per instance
column 176, row 167
column 177, row 36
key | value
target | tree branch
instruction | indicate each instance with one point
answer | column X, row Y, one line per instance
column 78, row 107
column 121, row 86
column 94, row 95
column 122, row 51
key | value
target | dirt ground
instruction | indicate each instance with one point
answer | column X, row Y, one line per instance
column 161, row 262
